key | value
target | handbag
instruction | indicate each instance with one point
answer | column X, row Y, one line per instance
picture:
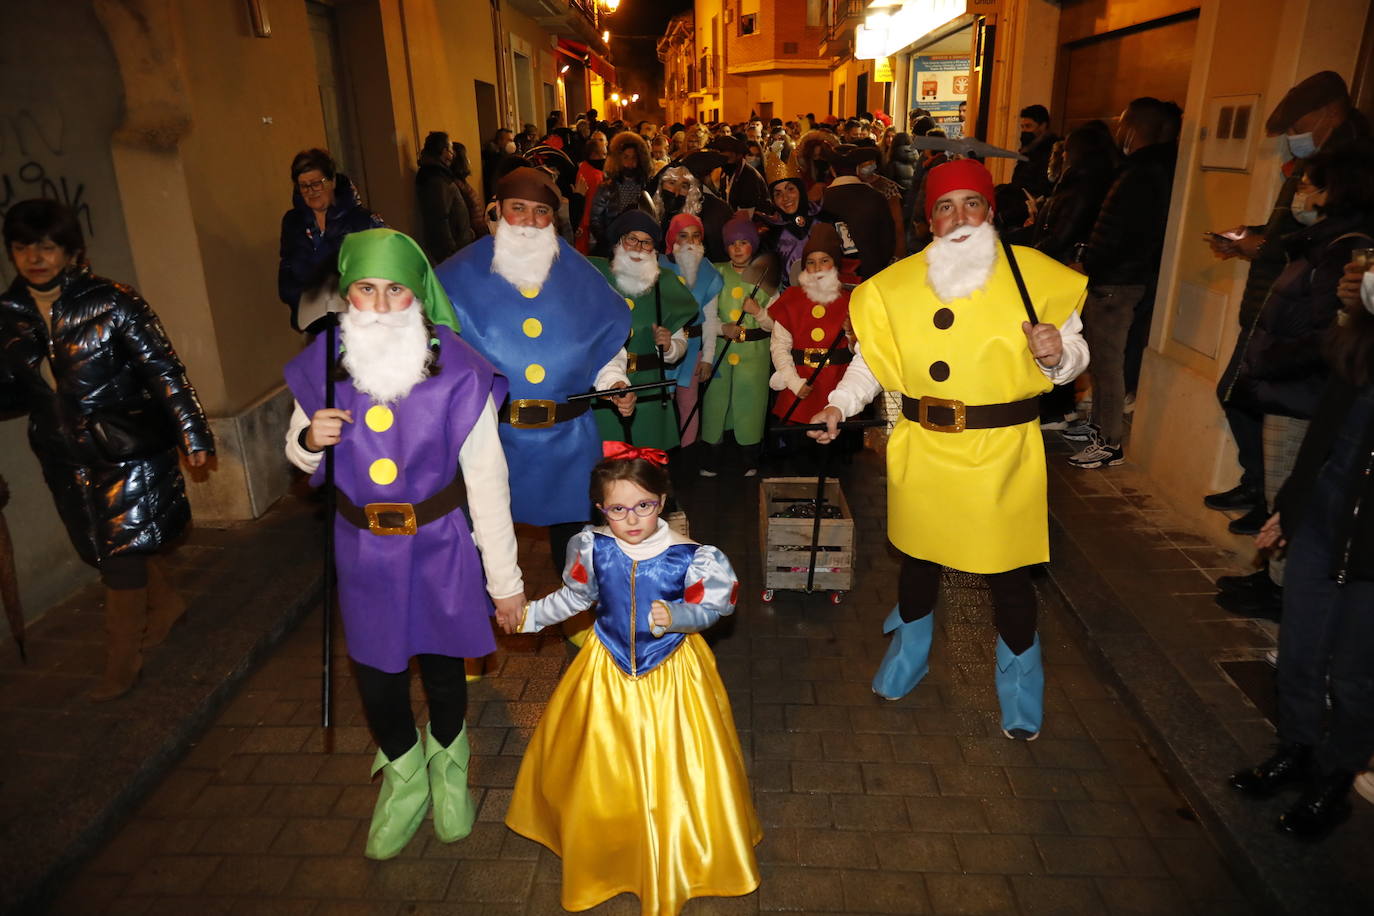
column 133, row 432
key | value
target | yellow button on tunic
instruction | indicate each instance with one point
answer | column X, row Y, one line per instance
column 974, row 501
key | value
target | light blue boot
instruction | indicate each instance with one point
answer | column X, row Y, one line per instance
column 907, row 655
column 1021, row 690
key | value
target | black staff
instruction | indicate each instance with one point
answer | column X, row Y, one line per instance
column 327, row 636
column 834, row 345
column 617, row 392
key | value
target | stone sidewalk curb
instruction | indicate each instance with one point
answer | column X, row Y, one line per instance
column 233, row 623
column 1282, row 876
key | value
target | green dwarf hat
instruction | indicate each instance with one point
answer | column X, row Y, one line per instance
column 390, row 255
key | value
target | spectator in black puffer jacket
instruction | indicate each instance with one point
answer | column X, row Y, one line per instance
column 324, row 209
column 109, row 405
column 1122, row 262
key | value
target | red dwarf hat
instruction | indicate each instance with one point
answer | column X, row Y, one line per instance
column 957, row 175
column 680, row 222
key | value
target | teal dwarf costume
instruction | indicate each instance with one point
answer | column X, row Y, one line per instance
column 654, row 423
column 737, row 398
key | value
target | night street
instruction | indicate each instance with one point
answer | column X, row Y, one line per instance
column 916, row 806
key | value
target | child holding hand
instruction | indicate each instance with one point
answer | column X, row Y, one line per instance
column 635, row 775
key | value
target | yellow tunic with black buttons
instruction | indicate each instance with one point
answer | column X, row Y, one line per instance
column 975, row 500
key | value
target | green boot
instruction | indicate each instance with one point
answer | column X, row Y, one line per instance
column 402, row 803
column 454, row 811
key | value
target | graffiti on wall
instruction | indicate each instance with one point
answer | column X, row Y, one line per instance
column 38, row 140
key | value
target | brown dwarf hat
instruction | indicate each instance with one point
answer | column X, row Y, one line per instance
column 527, row 183
column 823, row 237
column 1312, row 93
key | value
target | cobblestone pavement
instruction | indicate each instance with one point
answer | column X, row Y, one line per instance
column 915, row 806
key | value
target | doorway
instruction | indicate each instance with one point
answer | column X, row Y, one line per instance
column 336, row 106
column 524, row 91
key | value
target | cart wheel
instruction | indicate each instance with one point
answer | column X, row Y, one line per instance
column 836, row 597
column 767, row 596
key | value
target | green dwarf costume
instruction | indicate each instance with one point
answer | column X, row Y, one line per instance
column 737, row 398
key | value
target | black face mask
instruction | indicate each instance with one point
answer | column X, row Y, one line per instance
column 674, row 201
column 1027, row 138
column 55, row 282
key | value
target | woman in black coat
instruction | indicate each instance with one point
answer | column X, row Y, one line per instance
column 324, row 208
column 1326, row 642
column 109, row 404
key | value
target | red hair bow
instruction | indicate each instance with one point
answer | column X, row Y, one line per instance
column 623, row 451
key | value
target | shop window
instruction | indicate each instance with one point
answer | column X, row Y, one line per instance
column 748, row 23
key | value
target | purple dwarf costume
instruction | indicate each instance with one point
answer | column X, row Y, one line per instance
column 405, row 595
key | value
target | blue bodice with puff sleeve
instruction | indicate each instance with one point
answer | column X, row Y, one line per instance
column 695, row 581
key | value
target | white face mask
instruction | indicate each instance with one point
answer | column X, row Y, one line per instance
column 1367, row 291
column 867, row 170
column 1301, row 210
column 1302, row 146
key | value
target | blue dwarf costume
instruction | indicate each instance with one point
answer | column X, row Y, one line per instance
column 635, row 775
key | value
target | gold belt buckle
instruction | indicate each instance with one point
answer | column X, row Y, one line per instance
column 631, row 363
column 812, row 356
column 517, row 405
column 378, row 525
column 923, row 412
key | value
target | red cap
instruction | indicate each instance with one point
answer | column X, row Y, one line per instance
column 680, row 222
column 957, row 175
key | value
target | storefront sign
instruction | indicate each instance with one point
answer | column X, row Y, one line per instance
column 939, row 82
column 885, row 33
column 882, row 70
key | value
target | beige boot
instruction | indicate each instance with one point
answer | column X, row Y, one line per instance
column 165, row 606
column 126, row 616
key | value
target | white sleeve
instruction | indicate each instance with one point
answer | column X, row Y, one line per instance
column 612, row 372
column 296, row 453
column 1075, row 358
column 857, row 386
column 484, row 472
column 710, row 330
column 785, row 371
column 677, row 347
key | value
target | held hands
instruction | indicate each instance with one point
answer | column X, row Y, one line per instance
column 730, row 330
column 1271, row 535
column 326, row 428
column 1045, row 342
column 624, row 403
column 662, row 337
column 703, row 371
column 510, row 611
column 832, row 418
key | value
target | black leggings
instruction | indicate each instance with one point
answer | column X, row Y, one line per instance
column 386, row 702
column 1013, row 599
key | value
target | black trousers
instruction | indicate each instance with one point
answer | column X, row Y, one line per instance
column 1247, row 428
column 1326, row 642
column 386, row 702
column 1013, row 599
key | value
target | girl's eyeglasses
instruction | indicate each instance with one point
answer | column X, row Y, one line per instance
column 642, row 509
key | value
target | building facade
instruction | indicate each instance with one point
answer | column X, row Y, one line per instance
column 170, row 125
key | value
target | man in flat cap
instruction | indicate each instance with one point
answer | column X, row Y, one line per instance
column 658, row 306
column 861, row 215
column 740, row 183
column 545, row 317
column 1316, row 114
column 966, row 463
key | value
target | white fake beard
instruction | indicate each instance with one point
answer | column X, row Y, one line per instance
column 386, row 355
column 822, row 288
column 958, row 269
column 689, row 257
column 635, row 271
column 524, row 255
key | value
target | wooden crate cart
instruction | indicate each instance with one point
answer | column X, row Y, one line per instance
column 787, row 543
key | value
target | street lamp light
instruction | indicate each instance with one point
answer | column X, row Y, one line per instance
column 606, row 36
column 635, row 97
column 611, row 5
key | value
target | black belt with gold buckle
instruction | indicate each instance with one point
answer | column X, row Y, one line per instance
column 946, row 415
column 641, row 362
column 692, row 330
column 812, row 356
column 538, row 413
column 402, row 518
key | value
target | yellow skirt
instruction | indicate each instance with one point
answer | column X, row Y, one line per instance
column 639, row 784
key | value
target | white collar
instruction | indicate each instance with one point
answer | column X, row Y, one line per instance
column 653, row 545
column 842, row 180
